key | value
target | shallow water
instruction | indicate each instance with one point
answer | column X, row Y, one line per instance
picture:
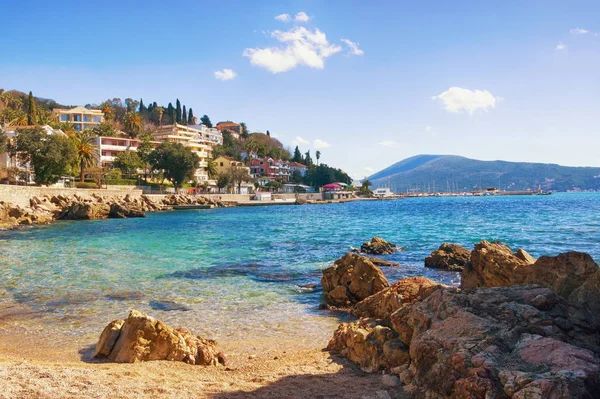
column 237, row 273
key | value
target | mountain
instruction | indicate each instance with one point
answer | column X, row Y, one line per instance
column 428, row 173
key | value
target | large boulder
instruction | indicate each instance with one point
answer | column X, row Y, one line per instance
column 85, row 211
column 406, row 291
column 378, row 246
column 519, row 342
column 126, row 210
column 142, row 338
column 351, row 279
column 370, row 344
column 451, row 257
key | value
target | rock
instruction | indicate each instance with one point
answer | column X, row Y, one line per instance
column 85, row 211
column 377, row 246
column 406, row 291
column 383, row 262
column 390, row 380
column 370, row 344
column 143, row 338
column 126, row 210
column 451, row 257
column 493, row 342
column 351, row 279
column 524, row 256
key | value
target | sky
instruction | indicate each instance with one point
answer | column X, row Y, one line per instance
column 365, row 83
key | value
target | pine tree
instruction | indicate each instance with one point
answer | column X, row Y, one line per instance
column 184, row 115
column 178, row 111
column 297, row 155
column 190, row 117
column 31, row 112
column 171, row 113
column 206, row 121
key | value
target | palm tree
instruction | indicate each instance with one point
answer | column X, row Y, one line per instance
column 318, row 155
column 86, row 151
column 133, row 123
column 211, row 169
column 159, row 113
column 107, row 111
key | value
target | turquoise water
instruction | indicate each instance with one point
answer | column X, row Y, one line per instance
column 238, row 273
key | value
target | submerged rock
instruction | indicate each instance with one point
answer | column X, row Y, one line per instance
column 168, row 306
column 383, row 262
column 143, row 338
column 452, row 257
column 378, row 246
column 351, row 279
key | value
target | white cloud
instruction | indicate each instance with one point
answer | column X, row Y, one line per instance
column 457, row 99
column 561, row 46
column 388, row 143
column 353, row 47
column 300, row 46
column 428, row 129
column 299, row 140
column 283, row 17
column 318, row 143
column 302, row 17
column 225, row 74
column 579, row 31
column 369, row 169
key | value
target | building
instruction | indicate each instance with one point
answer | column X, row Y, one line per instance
column 81, row 117
column 273, row 169
column 291, row 188
column 225, row 163
column 198, row 138
column 109, row 147
column 298, row 167
column 234, row 128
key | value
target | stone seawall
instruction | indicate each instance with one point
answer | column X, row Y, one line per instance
column 20, row 195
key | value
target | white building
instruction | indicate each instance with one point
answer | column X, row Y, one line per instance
column 80, row 117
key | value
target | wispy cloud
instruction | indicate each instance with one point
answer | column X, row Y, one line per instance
column 318, row 143
column 300, row 46
column 560, row 46
column 301, row 17
column 578, row 31
column 369, row 169
column 283, row 17
column 353, row 47
column 457, row 99
column 388, row 143
column 225, row 74
column 299, row 140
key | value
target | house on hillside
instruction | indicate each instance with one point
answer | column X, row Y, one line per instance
column 80, row 117
column 273, row 169
column 225, row 164
column 298, row 167
column 234, row 128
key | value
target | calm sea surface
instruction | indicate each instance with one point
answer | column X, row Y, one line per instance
column 237, row 273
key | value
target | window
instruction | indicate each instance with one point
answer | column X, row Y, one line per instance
column 86, row 118
column 97, row 119
column 77, row 118
column 77, row 126
column 221, row 163
column 64, row 118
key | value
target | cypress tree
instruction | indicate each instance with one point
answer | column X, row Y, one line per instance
column 31, row 112
column 184, row 116
column 190, row 117
column 143, row 108
column 171, row 113
column 178, row 111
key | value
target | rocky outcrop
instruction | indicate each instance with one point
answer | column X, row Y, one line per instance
column 450, row 257
column 519, row 341
column 351, row 279
column 85, row 211
column 383, row 262
column 377, row 246
column 404, row 292
column 126, row 210
column 572, row 275
column 143, row 338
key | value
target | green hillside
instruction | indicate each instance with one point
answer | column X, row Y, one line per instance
column 428, row 173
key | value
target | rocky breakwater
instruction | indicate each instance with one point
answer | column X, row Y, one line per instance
column 144, row 338
column 518, row 328
column 45, row 209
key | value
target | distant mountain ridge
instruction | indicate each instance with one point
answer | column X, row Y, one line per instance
column 442, row 173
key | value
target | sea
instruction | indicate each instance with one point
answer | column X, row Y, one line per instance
column 248, row 274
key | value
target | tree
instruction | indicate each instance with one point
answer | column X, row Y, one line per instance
column 131, row 105
column 49, row 155
column 268, row 133
column 206, row 121
column 211, row 168
column 223, row 180
column 190, row 117
column 3, row 140
column 297, row 155
column 159, row 115
column 184, row 116
column 244, row 131
column 296, row 177
column 307, row 159
column 144, row 150
column 105, row 129
column 128, row 161
column 171, row 113
column 238, row 175
column 318, row 155
column 107, row 111
column 177, row 162
column 143, row 108
column 178, row 111
column 364, row 188
column 132, row 123
column 31, row 112
column 85, row 151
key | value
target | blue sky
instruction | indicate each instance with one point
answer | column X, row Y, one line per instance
column 513, row 80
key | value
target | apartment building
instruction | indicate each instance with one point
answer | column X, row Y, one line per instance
column 81, row 117
column 198, row 138
column 109, row 147
column 273, row 169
